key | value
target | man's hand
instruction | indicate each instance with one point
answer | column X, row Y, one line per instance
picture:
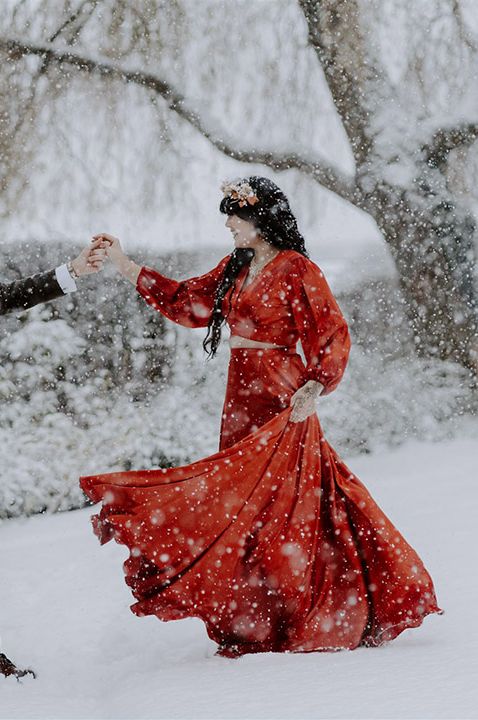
column 303, row 401
column 90, row 260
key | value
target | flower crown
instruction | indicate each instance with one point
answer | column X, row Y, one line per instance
column 240, row 191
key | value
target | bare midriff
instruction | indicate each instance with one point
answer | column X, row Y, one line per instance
column 236, row 341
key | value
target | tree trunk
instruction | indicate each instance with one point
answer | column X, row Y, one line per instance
column 429, row 233
column 431, row 240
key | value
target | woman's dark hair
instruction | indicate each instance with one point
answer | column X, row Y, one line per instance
column 274, row 219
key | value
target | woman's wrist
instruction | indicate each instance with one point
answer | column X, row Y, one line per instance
column 118, row 258
column 128, row 268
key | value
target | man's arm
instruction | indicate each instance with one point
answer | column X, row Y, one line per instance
column 23, row 294
column 39, row 288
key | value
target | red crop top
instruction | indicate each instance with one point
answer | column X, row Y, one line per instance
column 290, row 300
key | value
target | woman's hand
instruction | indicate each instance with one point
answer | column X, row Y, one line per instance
column 303, row 400
column 129, row 269
column 112, row 245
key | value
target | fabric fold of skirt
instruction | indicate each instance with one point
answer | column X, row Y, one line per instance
column 272, row 541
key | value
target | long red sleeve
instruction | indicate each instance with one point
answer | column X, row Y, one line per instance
column 186, row 302
column 322, row 328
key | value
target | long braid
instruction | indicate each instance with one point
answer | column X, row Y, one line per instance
column 239, row 258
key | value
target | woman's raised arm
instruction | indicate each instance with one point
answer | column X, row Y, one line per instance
column 186, row 302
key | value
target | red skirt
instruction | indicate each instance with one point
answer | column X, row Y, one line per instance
column 272, row 541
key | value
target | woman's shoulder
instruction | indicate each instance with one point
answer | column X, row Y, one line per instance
column 299, row 264
column 220, row 266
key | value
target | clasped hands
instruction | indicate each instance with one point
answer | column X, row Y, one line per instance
column 92, row 258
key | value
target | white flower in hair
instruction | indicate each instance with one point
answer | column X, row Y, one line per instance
column 240, row 191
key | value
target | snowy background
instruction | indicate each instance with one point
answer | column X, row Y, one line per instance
column 66, row 615
column 98, row 381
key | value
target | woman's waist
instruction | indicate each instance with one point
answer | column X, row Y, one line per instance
column 238, row 342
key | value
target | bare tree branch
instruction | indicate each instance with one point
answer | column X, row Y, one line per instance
column 446, row 140
column 79, row 19
column 330, row 178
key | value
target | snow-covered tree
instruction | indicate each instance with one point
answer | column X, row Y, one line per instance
column 400, row 75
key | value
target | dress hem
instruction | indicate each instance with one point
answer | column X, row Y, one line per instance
column 105, row 528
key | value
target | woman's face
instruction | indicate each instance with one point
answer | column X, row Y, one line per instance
column 245, row 233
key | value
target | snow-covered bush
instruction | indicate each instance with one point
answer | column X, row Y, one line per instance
column 99, row 381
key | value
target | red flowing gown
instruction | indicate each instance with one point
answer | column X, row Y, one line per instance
column 272, row 541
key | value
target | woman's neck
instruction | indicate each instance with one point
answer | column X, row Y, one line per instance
column 264, row 252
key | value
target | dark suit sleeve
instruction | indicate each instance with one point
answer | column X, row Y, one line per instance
column 25, row 293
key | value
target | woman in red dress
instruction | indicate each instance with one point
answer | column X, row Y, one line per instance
column 272, row 541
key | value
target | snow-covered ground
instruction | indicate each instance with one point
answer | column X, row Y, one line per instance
column 64, row 611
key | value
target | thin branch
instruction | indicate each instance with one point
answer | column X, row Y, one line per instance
column 90, row 7
column 330, row 178
column 463, row 31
